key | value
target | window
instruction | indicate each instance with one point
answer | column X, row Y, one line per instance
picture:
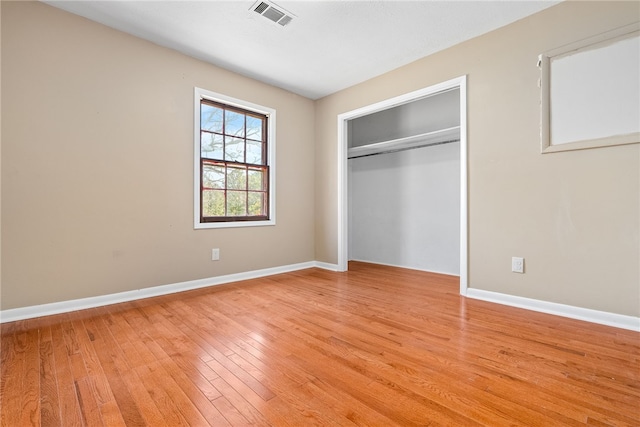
column 234, row 160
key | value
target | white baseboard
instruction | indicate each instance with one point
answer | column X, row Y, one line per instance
column 326, row 266
column 601, row 317
column 445, row 273
column 22, row 313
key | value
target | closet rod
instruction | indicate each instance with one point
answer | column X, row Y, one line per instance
column 395, row 150
column 441, row 136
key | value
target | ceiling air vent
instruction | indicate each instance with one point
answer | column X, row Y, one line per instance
column 272, row 12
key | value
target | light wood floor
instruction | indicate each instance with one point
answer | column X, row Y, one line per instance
column 376, row 346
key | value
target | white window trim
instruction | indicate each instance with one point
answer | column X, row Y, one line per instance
column 270, row 113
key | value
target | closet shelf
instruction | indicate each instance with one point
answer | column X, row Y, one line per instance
column 415, row 141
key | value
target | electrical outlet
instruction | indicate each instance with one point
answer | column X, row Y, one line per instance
column 215, row 254
column 517, row 264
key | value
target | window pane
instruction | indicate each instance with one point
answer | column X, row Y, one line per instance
column 254, row 128
column 211, row 145
column 256, row 203
column 254, row 153
column 236, row 178
column 236, row 203
column 212, row 176
column 234, row 124
column 256, row 179
column 213, row 203
column 234, row 149
column 211, row 118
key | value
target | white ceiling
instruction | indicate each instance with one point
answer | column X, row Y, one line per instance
column 329, row 46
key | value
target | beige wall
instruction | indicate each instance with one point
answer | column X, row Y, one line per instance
column 97, row 164
column 574, row 216
column 0, row 155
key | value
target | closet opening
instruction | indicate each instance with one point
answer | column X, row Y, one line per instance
column 402, row 178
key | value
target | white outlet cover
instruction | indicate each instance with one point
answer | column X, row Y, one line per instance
column 517, row 264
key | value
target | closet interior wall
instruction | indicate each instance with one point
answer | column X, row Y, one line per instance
column 404, row 206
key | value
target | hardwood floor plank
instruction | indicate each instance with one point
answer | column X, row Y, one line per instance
column 49, row 400
column 168, row 390
column 240, row 404
column 145, row 403
column 231, row 414
column 163, row 400
column 30, row 405
column 13, row 360
column 269, row 359
column 100, row 387
column 195, row 394
column 375, row 346
column 289, row 409
column 89, row 407
column 182, row 352
column 125, row 359
column 223, row 364
column 127, row 411
column 347, row 405
column 69, row 406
